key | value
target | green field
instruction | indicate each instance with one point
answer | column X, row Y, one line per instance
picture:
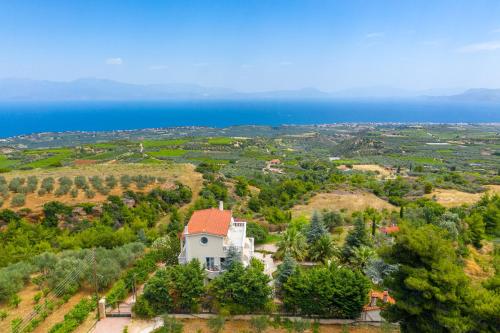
column 48, row 162
column 48, row 151
column 163, row 143
column 5, row 163
column 220, row 141
column 167, row 153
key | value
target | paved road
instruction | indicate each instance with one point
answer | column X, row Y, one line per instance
column 111, row 325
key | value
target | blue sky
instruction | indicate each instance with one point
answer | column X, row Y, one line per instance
column 256, row 45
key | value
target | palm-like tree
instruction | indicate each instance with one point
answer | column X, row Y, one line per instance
column 293, row 242
column 362, row 255
column 322, row 249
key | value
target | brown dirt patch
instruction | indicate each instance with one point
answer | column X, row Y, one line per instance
column 381, row 171
column 479, row 266
column 338, row 200
column 454, row 198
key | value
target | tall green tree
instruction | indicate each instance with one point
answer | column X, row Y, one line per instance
column 357, row 237
column 240, row 289
column 429, row 287
column 336, row 292
column 316, row 229
column 285, row 270
column 476, row 229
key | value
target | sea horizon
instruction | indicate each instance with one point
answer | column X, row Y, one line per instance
column 29, row 117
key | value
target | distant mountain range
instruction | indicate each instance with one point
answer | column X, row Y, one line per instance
column 90, row 89
column 474, row 95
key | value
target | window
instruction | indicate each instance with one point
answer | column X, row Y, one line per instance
column 204, row 240
column 210, row 263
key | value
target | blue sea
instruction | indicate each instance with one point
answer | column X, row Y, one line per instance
column 31, row 117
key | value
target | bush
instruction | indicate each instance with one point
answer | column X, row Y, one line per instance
column 111, row 181
column 117, row 293
column 170, row 325
column 32, row 184
column 18, row 200
column 259, row 324
column 48, row 184
column 81, row 182
column 242, row 290
column 89, row 193
column 142, row 308
column 125, row 181
column 326, row 291
column 216, row 324
column 258, row 232
column 16, row 184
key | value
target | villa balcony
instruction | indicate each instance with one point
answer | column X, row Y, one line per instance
column 212, row 272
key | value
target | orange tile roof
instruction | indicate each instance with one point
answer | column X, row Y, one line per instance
column 389, row 230
column 210, row 221
column 380, row 295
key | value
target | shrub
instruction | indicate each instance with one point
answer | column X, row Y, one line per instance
column 142, row 308
column 125, row 181
column 81, row 182
column 14, row 300
column 117, row 293
column 18, row 200
column 258, row 232
column 15, row 325
column 259, row 324
column 240, row 289
column 170, row 325
column 89, row 193
column 111, row 181
column 16, row 184
column 216, row 324
column 3, row 315
column 326, row 291
column 32, row 184
column 48, row 184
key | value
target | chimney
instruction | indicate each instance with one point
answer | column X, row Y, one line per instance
column 221, row 205
column 384, row 296
column 373, row 300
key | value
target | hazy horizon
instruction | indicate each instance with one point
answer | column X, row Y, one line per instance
column 256, row 46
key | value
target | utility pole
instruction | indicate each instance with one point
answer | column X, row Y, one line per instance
column 133, row 288
column 94, row 272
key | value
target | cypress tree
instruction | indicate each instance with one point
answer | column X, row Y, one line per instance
column 316, row 229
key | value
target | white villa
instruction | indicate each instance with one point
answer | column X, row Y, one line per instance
column 208, row 237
